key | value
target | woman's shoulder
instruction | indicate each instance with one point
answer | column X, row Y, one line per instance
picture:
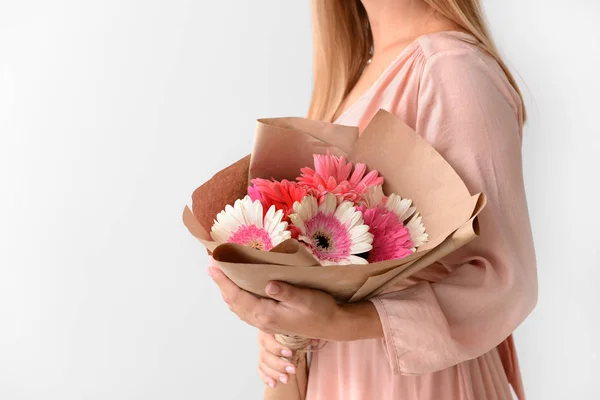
column 454, row 58
column 447, row 42
column 456, row 49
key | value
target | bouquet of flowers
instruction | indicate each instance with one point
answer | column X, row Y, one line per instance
column 337, row 212
column 318, row 205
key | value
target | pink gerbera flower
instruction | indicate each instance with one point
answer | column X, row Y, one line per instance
column 282, row 195
column 396, row 226
column 391, row 238
column 334, row 233
column 334, row 175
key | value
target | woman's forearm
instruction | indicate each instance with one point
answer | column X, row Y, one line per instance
column 356, row 321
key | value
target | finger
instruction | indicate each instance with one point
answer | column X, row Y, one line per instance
column 267, row 379
column 211, row 262
column 286, row 293
column 231, row 293
column 273, row 346
column 273, row 374
column 276, row 363
column 211, row 266
column 249, row 308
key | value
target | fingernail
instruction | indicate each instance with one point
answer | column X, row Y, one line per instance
column 273, row 288
column 209, row 271
column 272, row 384
column 283, row 379
column 287, row 353
column 290, row 369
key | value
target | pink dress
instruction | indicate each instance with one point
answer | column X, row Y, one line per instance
column 448, row 330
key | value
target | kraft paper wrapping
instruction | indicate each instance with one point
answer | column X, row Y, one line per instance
column 411, row 167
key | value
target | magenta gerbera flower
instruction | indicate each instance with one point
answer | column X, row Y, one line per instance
column 335, row 175
column 391, row 238
column 396, row 226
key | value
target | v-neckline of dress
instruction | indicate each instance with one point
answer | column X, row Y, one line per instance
column 401, row 55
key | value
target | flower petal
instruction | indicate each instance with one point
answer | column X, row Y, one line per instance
column 244, row 223
column 328, row 206
column 417, row 231
column 401, row 207
column 219, row 234
column 373, row 197
column 344, row 212
column 357, row 260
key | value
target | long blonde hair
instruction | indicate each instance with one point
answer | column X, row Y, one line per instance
column 342, row 43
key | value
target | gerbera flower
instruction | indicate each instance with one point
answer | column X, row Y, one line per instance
column 334, row 233
column 417, row 230
column 245, row 223
column 282, row 195
column 391, row 238
column 408, row 215
column 397, row 229
column 334, row 175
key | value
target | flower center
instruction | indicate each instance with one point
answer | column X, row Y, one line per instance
column 255, row 244
column 330, row 240
column 252, row 236
column 322, row 240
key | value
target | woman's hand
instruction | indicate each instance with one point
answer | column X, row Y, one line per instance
column 274, row 360
column 291, row 310
column 298, row 311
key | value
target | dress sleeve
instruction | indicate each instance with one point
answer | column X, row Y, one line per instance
column 471, row 115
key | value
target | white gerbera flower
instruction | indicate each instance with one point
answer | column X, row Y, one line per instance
column 417, row 231
column 245, row 224
column 334, row 233
column 411, row 219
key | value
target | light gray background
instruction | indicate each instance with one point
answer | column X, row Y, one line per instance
column 113, row 111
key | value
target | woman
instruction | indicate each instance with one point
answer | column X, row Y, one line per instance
column 445, row 334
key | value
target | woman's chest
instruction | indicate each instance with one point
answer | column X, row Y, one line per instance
column 397, row 93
